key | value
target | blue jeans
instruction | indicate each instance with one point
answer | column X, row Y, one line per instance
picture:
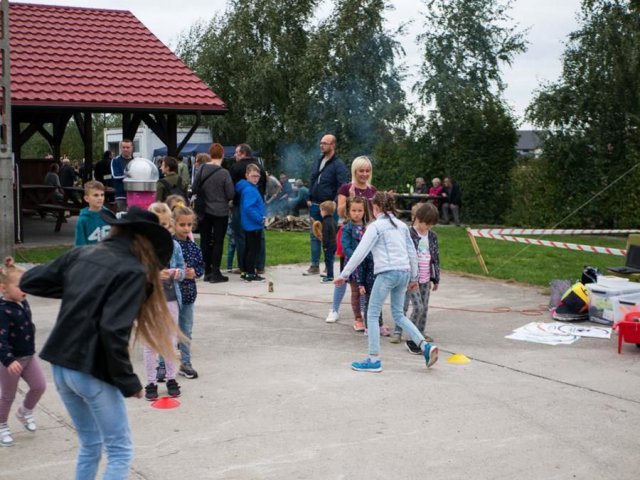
column 99, row 414
column 394, row 283
column 316, row 245
column 185, row 321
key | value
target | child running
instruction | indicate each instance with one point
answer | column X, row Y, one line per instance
column 170, row 278
column 426, row 243
column 17, row 353
column 396, row 268
column 184, row 219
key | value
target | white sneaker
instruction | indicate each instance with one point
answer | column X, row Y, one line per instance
column 27, row 420
column 332, row 317
column 6, row 440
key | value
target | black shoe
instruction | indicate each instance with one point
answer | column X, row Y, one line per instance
column 413, row 348
column 260, row 271
column 208, row 277
column 186, row 370
column 218, row 278
column 161, row 373
column 245, row 277
column 258, row 278
column 151, row 392
column 173, row 389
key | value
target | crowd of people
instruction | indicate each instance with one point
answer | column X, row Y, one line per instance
column 446, row 197
column 134, row 274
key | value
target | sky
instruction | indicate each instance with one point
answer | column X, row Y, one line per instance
column 549, row 22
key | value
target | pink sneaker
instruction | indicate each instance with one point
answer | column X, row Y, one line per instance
column 385, row 331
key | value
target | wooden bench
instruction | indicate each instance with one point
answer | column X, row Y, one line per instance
column 59, row 210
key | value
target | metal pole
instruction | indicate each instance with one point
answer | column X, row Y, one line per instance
column 7, row 181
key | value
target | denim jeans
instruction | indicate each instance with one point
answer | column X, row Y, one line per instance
column 316, row 245
column 99, row 414
column 185, row 321
column 394, row 283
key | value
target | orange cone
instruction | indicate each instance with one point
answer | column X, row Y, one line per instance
column 165, row 403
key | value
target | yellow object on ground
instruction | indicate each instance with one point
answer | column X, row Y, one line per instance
column 458, row 358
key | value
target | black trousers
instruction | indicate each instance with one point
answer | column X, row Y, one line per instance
column 253, row 243
column 212, row 232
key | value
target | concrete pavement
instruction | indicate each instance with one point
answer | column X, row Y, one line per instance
column 276, row 398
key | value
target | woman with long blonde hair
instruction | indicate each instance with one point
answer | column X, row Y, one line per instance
column 109, row 291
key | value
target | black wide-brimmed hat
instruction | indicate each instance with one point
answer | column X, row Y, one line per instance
column 145, row 223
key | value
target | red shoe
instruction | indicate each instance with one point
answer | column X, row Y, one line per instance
column 358, row 325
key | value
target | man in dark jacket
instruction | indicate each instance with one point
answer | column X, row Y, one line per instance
column 328, row 173
column 238, row 172
column 102, row 170
column 452, row 201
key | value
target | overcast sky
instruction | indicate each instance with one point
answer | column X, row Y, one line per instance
column 549, row 21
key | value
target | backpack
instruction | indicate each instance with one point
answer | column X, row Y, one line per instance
column 199, row 202
column 177, row 189
column 339, row 251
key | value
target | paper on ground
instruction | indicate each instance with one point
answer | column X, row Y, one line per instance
column 556, row 333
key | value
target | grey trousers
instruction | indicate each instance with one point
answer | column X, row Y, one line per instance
column 419, row 300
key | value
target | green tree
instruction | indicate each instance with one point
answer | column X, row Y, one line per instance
column 251, row 56
column 593, row 113
column 470, row 135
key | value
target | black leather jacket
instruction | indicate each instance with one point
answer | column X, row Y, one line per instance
column 102, row 288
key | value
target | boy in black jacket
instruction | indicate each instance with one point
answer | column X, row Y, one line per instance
column 329, row 229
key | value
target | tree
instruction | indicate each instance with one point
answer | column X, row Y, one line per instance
column 470, row 135
column 593, row 115
column 351, row 85
column 251, row 56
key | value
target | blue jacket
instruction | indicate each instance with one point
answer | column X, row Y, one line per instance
column 324, row 185
column 252, row 209
column 90, row 227
column 118, row 164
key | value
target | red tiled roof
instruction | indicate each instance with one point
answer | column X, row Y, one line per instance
column 98, row 60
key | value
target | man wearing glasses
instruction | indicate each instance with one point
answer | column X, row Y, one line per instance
column 328, row 173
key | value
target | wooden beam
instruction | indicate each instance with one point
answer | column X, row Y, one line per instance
column 172, row 135
column 189, row 134
column 88, row 147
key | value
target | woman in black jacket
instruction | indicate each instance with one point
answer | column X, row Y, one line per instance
column 104, row 289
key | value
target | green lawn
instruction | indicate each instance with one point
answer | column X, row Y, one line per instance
column 505, row 260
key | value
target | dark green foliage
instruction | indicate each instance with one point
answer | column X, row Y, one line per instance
column 593, row 113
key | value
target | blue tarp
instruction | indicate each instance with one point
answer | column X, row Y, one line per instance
column 192, row 149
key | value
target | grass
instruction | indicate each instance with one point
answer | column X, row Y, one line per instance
column 535, row 265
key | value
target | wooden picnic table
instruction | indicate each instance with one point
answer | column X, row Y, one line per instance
column 404, row 201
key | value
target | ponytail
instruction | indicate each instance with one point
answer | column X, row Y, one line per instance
column 387, row 204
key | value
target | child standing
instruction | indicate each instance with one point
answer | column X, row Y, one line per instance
column 396, row 267
column 90, row 227
column 17, row 353
column 329, row 245
column 252, row 212
column 426, row 243
column 184, row 219
column 170, row 278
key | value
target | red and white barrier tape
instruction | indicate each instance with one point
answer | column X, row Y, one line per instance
column 552, row 231
column 548, row 243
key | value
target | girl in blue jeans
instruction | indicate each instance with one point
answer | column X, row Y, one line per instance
column 104, row 289
column 396, row 269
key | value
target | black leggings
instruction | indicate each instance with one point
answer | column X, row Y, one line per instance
column 212, row 232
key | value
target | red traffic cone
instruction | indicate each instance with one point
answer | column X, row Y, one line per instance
column 165, row 403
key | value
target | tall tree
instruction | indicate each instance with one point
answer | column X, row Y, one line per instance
column 351, row 85
column 470, row 134
column 251, row 56
column 593, row 114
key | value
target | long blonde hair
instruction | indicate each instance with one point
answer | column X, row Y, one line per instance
column 155, row 325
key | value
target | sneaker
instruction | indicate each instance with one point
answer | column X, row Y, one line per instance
column 27, row 420
column 161, row 373
column 326, row 280
column 430, row 354
column 258, row 278
column 413, row 348
column 358, row 325
column 186, row 370
column 6, row 440
column 245, row 277
column 218, row 278
column 367, row 366
column 395, row 338
column 332, row 317
column 151, row 392
column 385, row 331
column 260, row 271
column 173, row 389
column 312, row 270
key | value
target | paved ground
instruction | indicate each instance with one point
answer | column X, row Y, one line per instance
column 277, row 399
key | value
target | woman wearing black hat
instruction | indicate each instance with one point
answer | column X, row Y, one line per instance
column 104, row 289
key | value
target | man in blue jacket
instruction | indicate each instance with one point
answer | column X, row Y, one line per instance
column 328, row 173
column 118, row 166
